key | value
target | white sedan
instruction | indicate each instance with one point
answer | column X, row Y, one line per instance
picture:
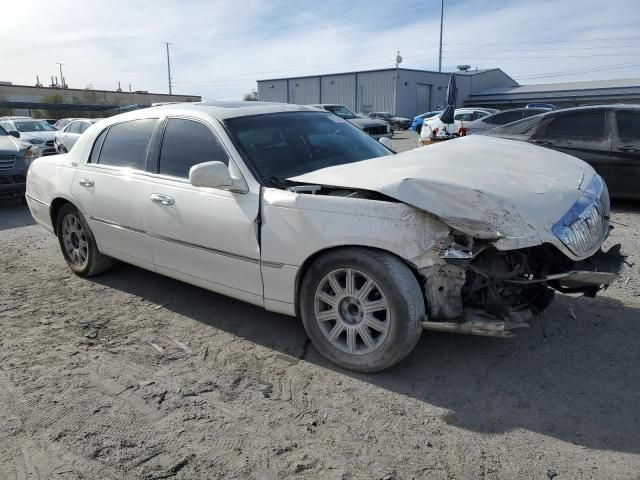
column 298, row 211
column 66, row 138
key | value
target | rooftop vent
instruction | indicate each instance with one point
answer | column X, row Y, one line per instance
column 463, row 68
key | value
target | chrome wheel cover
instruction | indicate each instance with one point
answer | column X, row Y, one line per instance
column 74, row 240
column 352, row 311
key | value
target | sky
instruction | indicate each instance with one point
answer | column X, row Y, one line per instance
column 221, row 47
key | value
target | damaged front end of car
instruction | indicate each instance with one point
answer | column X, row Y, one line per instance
column 480, row 289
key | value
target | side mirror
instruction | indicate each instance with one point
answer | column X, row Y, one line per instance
column 13, row 133
column 211, row 175
column 386, row 142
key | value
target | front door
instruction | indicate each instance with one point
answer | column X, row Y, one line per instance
column 624, row 175
column 201, row 235
column 109, row 190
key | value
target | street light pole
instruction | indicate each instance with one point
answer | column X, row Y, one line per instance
column 168, row 66
column 441, row 21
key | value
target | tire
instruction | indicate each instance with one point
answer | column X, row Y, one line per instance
column 78, row 244
column 62, row 149
column 337, row 322
column 419, row 129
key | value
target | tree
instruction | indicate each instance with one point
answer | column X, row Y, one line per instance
column 250, row 97
column 4, row 111
column 54, row 98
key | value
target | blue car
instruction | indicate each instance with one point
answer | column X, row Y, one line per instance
column 416, row 126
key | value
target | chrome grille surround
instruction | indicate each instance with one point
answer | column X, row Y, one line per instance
column 586, row 225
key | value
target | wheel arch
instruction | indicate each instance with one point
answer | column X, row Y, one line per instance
column 54, row 210
column 313, row 257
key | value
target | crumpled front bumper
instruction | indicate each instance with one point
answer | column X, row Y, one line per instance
column 592, row 274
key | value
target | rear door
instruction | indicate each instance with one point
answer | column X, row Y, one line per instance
column 586, row 135
column 624, row 174
column 110, row 190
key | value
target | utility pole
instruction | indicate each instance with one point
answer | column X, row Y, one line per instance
column 441, row 21
column 61, row 76
column 168, row 66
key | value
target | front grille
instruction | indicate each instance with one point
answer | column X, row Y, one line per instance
column 584, row 229
column 49, row 143
column 49, row 151
column 7, row 162
column 376, row 130
column 12, row 180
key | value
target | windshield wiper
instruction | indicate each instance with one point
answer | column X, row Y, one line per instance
column 277, row 182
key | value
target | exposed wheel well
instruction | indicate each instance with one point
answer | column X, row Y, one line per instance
column 56, row 205
column 309, row 261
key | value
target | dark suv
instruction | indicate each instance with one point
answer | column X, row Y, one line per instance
column 605, row 136
column 15, row 158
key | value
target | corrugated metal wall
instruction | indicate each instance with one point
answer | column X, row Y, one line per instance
column 304, row 91
column 339, row 89
column 273, row 91
column 375, row 91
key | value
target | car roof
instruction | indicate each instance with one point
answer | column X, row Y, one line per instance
column 219, row 110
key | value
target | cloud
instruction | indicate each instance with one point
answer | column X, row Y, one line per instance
column 220, row 48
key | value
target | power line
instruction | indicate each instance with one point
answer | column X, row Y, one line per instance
column 550, row 41
column 576, row 71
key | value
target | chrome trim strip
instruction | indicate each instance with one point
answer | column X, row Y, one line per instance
column 36, row 200
column 187, row 244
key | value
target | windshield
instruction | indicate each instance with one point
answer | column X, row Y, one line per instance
column 281, row 145
column 33, row 126
column 3, row 132
column 341, row 111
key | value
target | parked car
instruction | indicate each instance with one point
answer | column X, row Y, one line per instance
column 397, row 123
column 293, row 209
column 434, row 127
column 607, row 137
column 501, row 118
column 15, row 158
column 63, row 122
column 549, row 106
column 66, row 138
column 416, row 126
column 31, row 132
column 375, row 128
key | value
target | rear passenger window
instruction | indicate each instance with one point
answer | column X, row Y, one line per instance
column 187, row 143
column 97, row 145
column 74, row 127
column 126, row 144
column 584, row 125
column 83, row 126
column 628, row 125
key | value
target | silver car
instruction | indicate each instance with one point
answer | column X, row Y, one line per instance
column 66, row 138
column 376, row 128
column 31, row 132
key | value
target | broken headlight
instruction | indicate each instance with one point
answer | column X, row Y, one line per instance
column 585, row 226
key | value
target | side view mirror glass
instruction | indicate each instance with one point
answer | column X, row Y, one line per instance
column 386, row 142
column 211, row 175
column 14, row 133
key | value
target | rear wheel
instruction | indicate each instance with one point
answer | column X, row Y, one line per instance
column 362, row 308
column 78, row 243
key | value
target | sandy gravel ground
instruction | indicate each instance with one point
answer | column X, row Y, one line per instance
column 133, row 375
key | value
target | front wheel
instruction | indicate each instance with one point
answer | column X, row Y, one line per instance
column 78, row 243
column 362, row 308
column 62, row 149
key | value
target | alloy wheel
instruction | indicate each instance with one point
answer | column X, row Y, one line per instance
column 74, row 240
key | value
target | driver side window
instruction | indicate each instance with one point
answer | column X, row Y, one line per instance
column 187, row 143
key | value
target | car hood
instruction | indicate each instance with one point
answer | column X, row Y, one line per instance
column 46, row 136
column 486, row 187
column 366, row 122
column 10, row 145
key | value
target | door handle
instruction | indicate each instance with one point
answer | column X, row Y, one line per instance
column 544, row 143
column 85, row 182
column 627, row 149
column 161, row 199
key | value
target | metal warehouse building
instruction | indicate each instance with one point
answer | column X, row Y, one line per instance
column 403, row 91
